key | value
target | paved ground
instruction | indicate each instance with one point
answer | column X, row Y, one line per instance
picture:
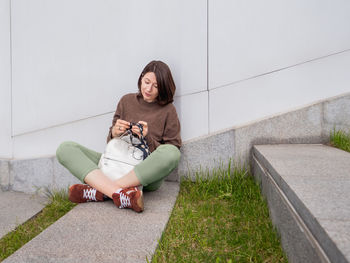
column 316, row 181
column 100, row 232
column 16, row 208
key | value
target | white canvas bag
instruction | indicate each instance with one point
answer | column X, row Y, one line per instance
column 123, row 153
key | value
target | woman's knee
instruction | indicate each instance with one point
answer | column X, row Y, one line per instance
column 63, row 150
column 171, row 154
column 158, row 165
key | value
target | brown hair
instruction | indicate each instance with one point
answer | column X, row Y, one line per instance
column 165, row 83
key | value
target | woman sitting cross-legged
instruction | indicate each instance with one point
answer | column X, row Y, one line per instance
column 152, row 107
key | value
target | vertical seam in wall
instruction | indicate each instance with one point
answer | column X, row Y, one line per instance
column 322, row 120
column 323, row 126
column 208, row 118
column 11, row 63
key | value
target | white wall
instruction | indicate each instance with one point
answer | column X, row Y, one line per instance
column 260, row 52
column 73, row 60
column 5, row 81
column 279, row 92
column 233, row 62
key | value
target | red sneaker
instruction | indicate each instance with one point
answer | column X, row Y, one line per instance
column 129, row 198
column 82, row 193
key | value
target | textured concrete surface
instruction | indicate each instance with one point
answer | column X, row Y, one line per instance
column 207, row 152
column 100, row 232
column 34, row 175
column 301, row 126
column 16, row 208
column 31, row 175
column 295, row 243
column 4, row 175
column 315, row 179
column 336, row 114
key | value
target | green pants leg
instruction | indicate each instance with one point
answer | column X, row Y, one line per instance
column 151, row 172
column 78, row 159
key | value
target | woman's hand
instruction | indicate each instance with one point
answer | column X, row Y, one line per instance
column 120, row 127
column 136, row 129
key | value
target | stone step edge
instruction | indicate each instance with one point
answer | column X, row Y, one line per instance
column 297, row 218
column 317, row 231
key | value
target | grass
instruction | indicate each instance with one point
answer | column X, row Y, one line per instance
column 59, row 205
column 340, row 139
column 220, row 218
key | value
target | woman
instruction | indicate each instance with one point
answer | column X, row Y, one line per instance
column 152, row 107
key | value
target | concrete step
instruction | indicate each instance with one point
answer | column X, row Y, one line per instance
column 307, row 190
column 101, row 232
column 16, row 208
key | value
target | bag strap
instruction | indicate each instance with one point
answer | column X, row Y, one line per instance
column 143, row 145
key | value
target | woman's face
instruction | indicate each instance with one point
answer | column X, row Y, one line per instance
column 149, row 87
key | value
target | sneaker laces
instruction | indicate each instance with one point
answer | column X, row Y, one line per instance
column 124, row 200
column 89, row 194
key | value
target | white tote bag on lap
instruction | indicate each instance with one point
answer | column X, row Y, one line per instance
column 123, row 153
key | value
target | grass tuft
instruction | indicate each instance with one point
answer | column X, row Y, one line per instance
column 340, row 139
column 59, row 205
column 221, row 217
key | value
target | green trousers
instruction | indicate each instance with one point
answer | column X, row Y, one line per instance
column 151, row 172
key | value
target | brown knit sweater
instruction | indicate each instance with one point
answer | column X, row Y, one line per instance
column 163, row 123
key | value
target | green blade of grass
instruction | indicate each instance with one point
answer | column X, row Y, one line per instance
column 340, row 139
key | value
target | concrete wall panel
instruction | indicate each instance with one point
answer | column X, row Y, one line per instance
column 249, row 38
column 91, row 133
column 74, row 60
column 336, row 114
column 193, row 114
column 279, row 92
column 5, row 81
column 191, row 109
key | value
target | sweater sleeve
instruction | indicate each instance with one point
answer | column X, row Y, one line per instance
column 115, row 118
column 172, row 129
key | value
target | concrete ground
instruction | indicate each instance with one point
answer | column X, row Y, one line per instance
column 16, row 208
column 100, row 232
